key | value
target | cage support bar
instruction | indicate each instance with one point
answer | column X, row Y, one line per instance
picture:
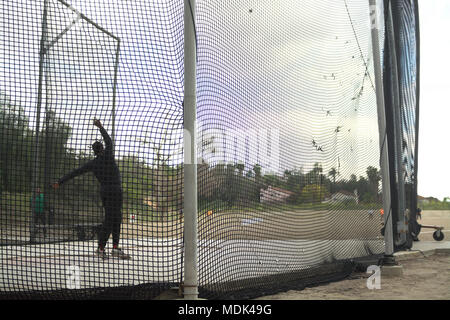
column 54, row 41
column 190, row 155
column 84, row 17
column 384, row 157
column 36, row 171
column 398, row 130
column 114, row 97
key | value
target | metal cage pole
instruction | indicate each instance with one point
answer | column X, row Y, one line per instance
column 400, row 218
column 416, row 147
column 190, row 154
column 114, row 97
column 36, row 161
column 384, row 157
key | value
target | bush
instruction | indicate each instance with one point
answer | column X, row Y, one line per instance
column 436, row 205
column 313, row 193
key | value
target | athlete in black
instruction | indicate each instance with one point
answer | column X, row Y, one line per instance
column 105, row 169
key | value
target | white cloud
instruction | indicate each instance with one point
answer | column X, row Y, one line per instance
column 433, row 176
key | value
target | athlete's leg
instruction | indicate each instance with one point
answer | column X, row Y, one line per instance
column 117, row 218
column 42, row 221
column 116, row 251
column 107, row 226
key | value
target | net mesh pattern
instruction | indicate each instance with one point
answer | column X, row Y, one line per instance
column 407, row 48
column 401, row 98
column 289, row 156
column 62, row 66
column 289, row 185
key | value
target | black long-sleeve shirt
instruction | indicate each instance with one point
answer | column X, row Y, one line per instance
column 104, row 166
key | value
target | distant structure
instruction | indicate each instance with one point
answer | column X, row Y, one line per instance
column 342, row 196
column 275, row 195
column 426, row 200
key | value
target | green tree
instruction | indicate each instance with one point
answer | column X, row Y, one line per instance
column 257, row 171
column 315, row 176
column 332, row 174
column 136, row 182
column 258, row 182
column 15, row 147
column 274, row 180
column 240, row 167
column 313, row 193
column 296, row 180
column 374, row 178
column 166, row 188
column 231, row 188
column 54, row 156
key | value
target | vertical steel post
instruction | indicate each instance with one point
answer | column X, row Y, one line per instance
column 401, row 227
column 36, row 162
column 384, row 157
column 416, row 147
column 190, row 154
column 116, row 67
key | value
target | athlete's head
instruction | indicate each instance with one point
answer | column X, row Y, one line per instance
column 97, row 146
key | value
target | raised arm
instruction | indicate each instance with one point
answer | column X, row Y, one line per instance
column 105, row 135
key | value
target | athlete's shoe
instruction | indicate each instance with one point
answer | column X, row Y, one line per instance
column 101, row 254
column 116, row 252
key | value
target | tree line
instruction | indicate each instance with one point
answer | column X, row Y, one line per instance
column 31, row 158
column 154, row 190
column 230, row 184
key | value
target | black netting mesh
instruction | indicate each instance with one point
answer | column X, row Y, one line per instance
column 408, row 72
column 62, row 66
column 289, row 173
column 289, row 184
column 401, row 96
column 79, row 84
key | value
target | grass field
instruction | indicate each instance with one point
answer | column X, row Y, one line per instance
column 424, row 278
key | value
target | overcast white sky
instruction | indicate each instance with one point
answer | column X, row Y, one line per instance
column 434, row 178
column 434, row 149
column 295, row 68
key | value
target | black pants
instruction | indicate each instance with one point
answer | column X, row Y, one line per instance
column 38, row 218
column 112, row 202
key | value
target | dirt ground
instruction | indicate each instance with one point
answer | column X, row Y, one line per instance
column 426, row 278
column 438, row 218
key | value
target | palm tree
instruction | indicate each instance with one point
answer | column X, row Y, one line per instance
column 332, row 174
column 317, row 173
column 374, row 177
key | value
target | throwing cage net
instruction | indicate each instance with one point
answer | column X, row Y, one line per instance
column 402, row 105
column 289, row 182
column 289, row 179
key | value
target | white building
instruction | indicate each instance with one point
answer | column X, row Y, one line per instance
column 342, row 196
column 274, row 195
